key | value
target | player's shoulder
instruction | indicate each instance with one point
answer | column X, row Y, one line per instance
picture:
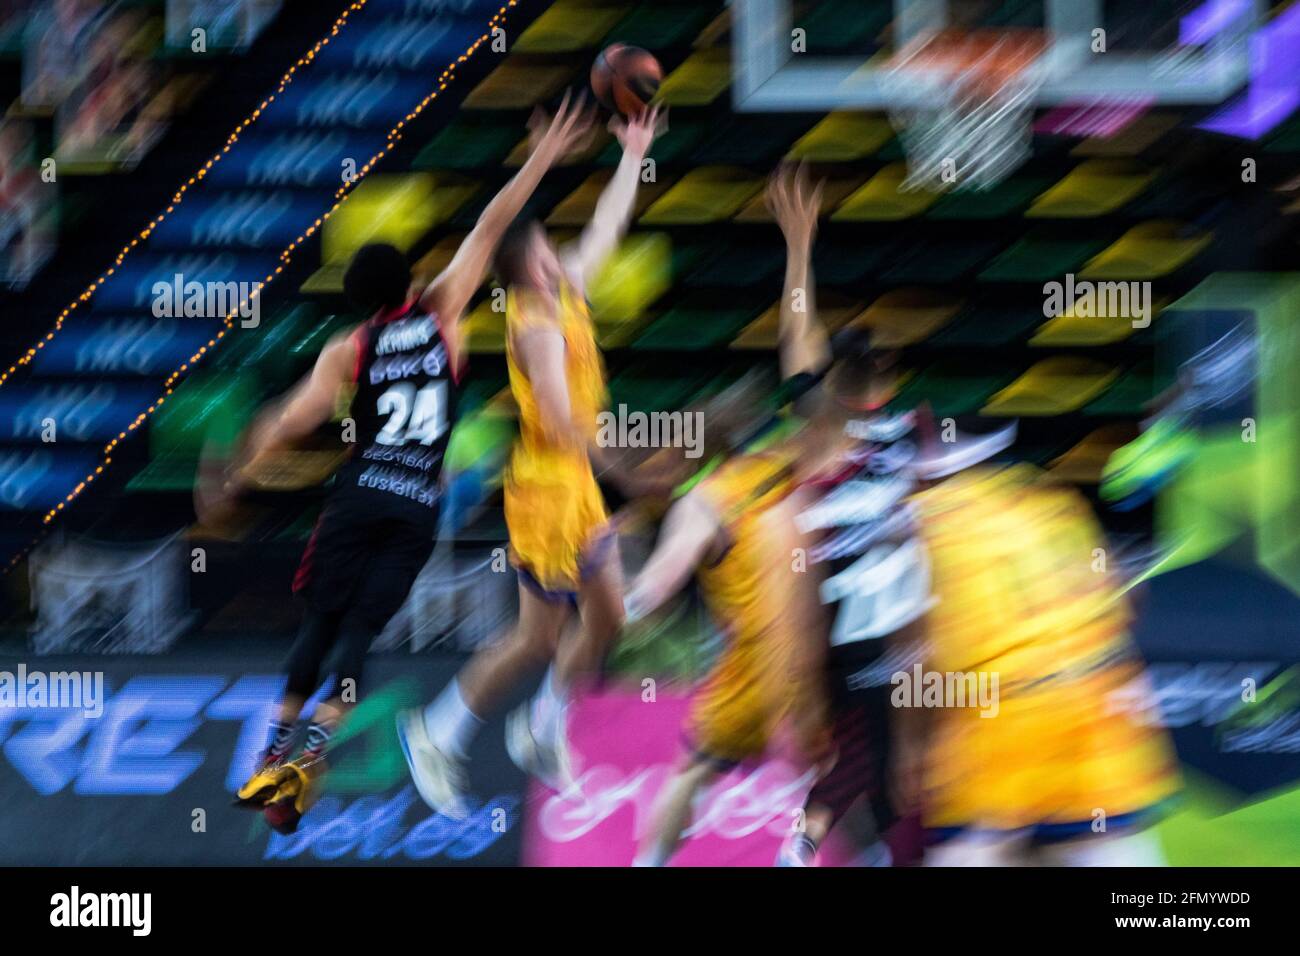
column 748, row 481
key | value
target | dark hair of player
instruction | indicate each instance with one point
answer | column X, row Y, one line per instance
column 853, row 364
column 379, row 277
column 511, row 260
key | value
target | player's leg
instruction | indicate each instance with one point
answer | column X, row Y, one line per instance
column 600, row 605
column 436, row 740
column 536, row 735
column 672, row 813
column 303, row 666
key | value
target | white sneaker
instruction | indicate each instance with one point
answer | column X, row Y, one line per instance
column 796, row 851
column 439, row 777
column 546, row 757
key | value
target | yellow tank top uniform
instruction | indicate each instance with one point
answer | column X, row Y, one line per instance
column 554, row 510
column 746, row 694
column 1021, row 596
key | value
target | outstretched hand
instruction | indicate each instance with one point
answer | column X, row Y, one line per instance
column 794, row 202
column 636, row 134
column 564, row 133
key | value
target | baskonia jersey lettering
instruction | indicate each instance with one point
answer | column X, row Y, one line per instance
column 403, row 407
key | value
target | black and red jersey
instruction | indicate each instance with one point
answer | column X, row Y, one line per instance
column 404, row 407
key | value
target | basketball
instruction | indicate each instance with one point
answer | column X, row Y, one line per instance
column 625, row 78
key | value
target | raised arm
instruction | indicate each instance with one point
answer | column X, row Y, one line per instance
column 582, row 260
column 308, row 406
column 689, row 530
column 450, row 292
column 289, row 419
column 803, row 342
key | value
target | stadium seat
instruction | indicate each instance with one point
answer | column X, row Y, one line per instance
column 570, row 25
column 833, row 310
column 1005, row 199
column 700, row 80
column 1054, row 386
column 517, row 84
column 1147, row 251
column 1083, row 463
column 843, row 138
column 708, row 194
column 880, row 199
column 1095, row 187
column 576, row 208
column 907, row 316
column 1041, row 257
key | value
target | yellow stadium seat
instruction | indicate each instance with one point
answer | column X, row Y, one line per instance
column 398, row 209
column 1093, row 188
column 842, row 138
column 906, row 316
column 484, row 329
column 700, row 80
column 516, row 85
column 570, row 25
column 1083, row 464
column 584, row 156
column 836, row 191
column 833, row 311
column 881, row 200
column 1070, row 329
column 577, row 207
column 1147, row 251
column 707, row 194
column 1054, row 386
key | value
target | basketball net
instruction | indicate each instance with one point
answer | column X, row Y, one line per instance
column 967, row 106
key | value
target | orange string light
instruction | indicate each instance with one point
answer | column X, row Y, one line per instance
column 340, row 196
column 176, row 200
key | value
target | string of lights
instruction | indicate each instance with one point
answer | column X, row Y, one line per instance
column 179, row 197
column 394, row 136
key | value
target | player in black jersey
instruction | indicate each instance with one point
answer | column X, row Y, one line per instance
column 377, row 529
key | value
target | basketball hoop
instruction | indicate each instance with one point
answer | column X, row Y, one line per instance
column 965, row 105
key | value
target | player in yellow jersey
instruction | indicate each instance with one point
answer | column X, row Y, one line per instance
column 1052, row 769
column 735, row 533
column 561, row 542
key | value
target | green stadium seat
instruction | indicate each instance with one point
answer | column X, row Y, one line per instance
column 952, row 387
column 1005, row 199
column 1041, row 257
column 697, row 321
column 204, row 410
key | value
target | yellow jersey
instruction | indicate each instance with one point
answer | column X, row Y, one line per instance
column 1024, row 596
column 748, row 691
column 554, row 510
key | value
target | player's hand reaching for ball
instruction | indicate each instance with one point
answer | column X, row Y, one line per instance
column 566, row 132
column 637, row 133
column 795, row 203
